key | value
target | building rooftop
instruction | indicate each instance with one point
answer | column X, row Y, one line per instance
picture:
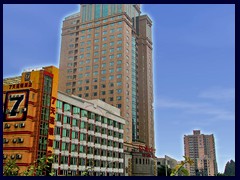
column 12, row 80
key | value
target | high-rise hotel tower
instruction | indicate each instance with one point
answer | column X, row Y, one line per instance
column 106, row 53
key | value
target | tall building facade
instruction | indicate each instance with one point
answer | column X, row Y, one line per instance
column 28, row 124
column 201, row 149
column 106, row 53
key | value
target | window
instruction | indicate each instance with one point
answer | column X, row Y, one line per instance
column 81, row 62
column 88, row 42
column 111, row 99
column 119, row 35
column 119, row 42
column 119, row 76
column 95, row 94
column 119, row 29
column 119, row 48
column 112, row 31
column 104, row 58
column 87, row 74
column 95, row 60
column 111, row 91
column 81, row 56
column 104, row 32
column 87, row 61
column 111, row 43
column 104, row 51
column 88, row 68
column 112, row 37
column 89, row 35
column 119, row 62
column 104, row 65
column 119, row 98
column 87, row 81
column 96, row 47
column 96, row 40
column 86, row 87
column 103, row 78
column 80, row 88
column 111, row 56
column 104, row 38
column 111, row 77
column 96, row 34
column 103, row 92
column 119, row 91
column 95, row 53
column 103, row 72
column 104, row 27
column 104, row 45
column 82, row 50
column 119, row 69
column 111, row 70
column 111, row 84
column 103, row 85
column 95, row 80
column 111, row 63
column 119, row 55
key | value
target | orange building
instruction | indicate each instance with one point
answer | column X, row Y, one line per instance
column 29, row 103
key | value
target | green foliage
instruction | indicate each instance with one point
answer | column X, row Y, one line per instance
column 161, row 171
column 10, row 168
column 40, row 167
column 220, row 174
column 230, row 168
column 179, row 169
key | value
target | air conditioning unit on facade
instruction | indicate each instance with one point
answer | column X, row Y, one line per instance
column 12, row 156
column 4, row 156
column 21, row 125
column 15, row 125
column 14, row 140
column 20, row 140
column 7, row 126
column 18, row 156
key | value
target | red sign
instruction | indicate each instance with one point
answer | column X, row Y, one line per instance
column 146, row 151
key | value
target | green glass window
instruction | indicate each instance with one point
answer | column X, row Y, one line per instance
column 58, row 117
column 74, row 148
column 59, row 104
column 98, row 118
column 75, row 122
column 82, row 137
column 83, row 125
column 66, row 120
column 84, row 113
column 97, row 11
column 76, row 110
column 82, row 149
column 105, row 120
column 105, row 10
column 74, row 135
column 67, row 107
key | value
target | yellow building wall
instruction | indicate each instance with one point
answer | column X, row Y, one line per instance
column 26, row 149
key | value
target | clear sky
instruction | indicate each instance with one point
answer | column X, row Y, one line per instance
column 194, row 66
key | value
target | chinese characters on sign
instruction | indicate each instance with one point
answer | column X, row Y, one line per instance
column 20, row 85
column 146, row 151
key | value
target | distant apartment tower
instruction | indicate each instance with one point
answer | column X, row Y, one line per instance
column 106, row 53
column 201, row 148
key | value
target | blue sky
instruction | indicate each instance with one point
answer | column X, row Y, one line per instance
column 194, row 66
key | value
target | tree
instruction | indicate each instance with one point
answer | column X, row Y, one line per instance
column 162, row 171
column 40, row 167
column 179, row 169
column 230, row 168
column 10, row 168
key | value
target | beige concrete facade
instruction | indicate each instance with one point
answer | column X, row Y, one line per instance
column 201, row 148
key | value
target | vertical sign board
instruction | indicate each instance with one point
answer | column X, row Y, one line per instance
column 16, row 105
